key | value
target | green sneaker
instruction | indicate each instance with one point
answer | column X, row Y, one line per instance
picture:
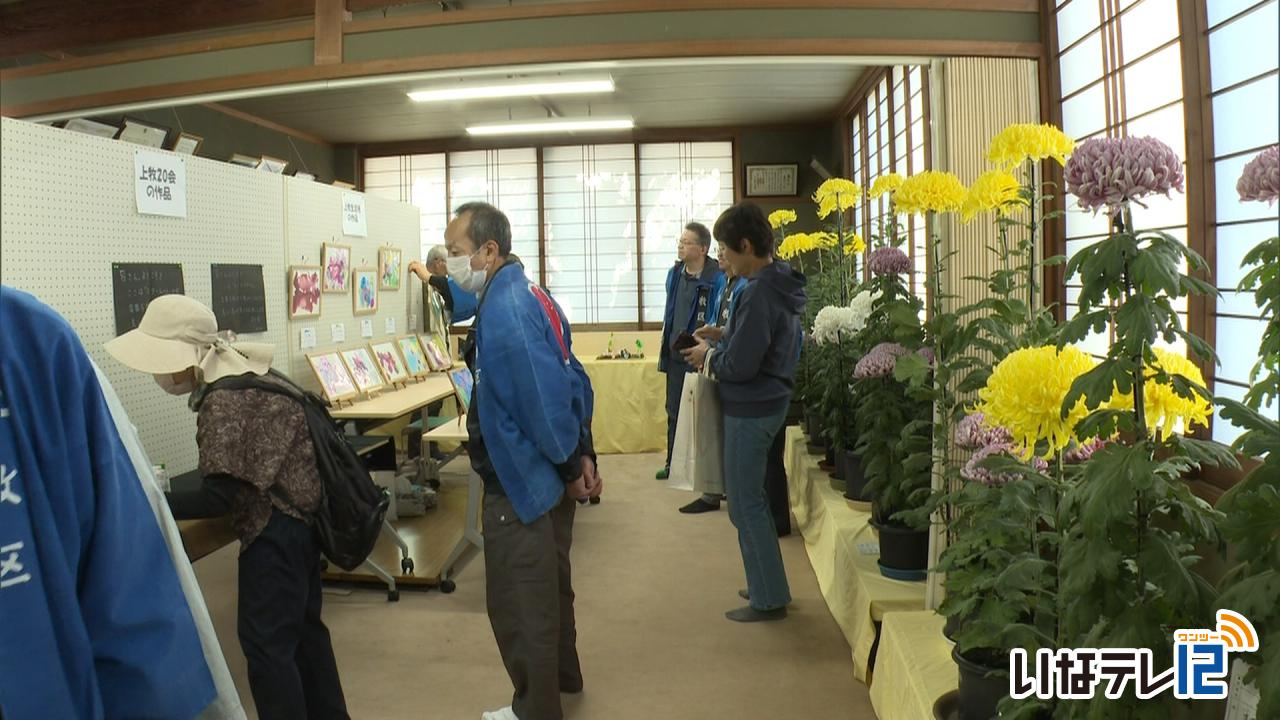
column 663, row 474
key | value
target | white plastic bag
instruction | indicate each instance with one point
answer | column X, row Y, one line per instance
column 697, row 459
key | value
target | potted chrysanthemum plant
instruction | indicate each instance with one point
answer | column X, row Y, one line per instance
column 1126, row 559
column 1002, row 564
column 1251, row 585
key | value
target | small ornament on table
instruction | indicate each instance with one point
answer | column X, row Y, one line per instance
column 639, row 349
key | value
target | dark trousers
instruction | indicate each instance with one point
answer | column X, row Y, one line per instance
column 775, row 484
column 675, row 384
column 530, row 601
column 292, row 672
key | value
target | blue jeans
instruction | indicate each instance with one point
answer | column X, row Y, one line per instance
column 746, row 451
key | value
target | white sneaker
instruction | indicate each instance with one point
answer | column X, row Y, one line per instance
column 505, row 713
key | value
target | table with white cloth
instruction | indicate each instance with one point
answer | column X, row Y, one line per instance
column 913, row 666
column 630, row 413
column 835, row 534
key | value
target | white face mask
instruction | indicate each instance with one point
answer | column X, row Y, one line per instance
column 464, row 275
column 169, row 385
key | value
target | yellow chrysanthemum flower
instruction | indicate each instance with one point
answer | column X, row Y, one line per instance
column 836, row 194
column 778, row 218
column 1027, row 141
column 794, row 244
column 993, row 190
column 824, row 240
column 1025, row 392
column 885, row 184
column 855, row 245
column 1166, row 411
column 930, row 191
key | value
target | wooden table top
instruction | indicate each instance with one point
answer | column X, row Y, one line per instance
column 396, row 403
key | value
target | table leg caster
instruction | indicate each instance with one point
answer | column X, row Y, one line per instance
column 406, row 566
column 448, row 586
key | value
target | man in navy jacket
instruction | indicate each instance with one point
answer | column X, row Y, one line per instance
column 690, row 286
column 529, row 428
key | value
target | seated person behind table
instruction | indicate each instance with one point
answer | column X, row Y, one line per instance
column 460, row 304
column 258, row 463
column 724, row 295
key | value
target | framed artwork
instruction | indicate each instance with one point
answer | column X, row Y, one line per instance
column 772, row 180
column 92, row 127
column 389, row 268
column 275, row 166
column 415, row 359
column 364, row 371
column 463, row 384
column 389, row 361
column 336, row 261
column 187, row 144
column 245, row 160
column 143, row 133
column 335, row 381
column 304, row 291
column 436, row 355
column 365, row 298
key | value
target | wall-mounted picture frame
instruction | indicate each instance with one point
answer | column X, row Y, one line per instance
column 335, row 381
column 363, row 369
column 186, row 143
column 389, row 361
column 415, row 358
column 364, row 286
column 95, row 128
column 773, row 180
column 248, row 161
column 273, row 165
column 336, row 261
column 304, row 291
column 390, row 268
column 141, row 132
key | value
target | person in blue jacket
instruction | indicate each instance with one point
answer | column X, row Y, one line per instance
column 93, row 621
column 724, row 296
column 755, row 366
column 529, row 428
column 690, row 284
column 460, row 304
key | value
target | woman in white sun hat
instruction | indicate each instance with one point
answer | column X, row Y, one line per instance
column 258, row 465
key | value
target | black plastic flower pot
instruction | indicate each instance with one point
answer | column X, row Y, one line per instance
column 855, row 480
column 904, row 551
column 828, row 462
column 982, row 687
column 836, row 476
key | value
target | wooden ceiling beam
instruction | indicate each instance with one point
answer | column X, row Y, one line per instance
column 38, row 26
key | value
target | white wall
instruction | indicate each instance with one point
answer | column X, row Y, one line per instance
column 67, row 212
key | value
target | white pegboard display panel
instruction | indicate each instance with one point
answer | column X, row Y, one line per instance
column 67, row 212
column 314, row 217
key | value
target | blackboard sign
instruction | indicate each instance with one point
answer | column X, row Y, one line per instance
column 135, row 285
column 239, row 299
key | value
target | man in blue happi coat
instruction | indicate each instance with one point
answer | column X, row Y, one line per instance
column 691, row 283
column 529, row 427
column 93, row 621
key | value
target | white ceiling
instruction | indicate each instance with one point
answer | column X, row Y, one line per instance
column 657, row 94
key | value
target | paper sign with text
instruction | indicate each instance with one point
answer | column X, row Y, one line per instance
column 353, row 219
column 160, row 183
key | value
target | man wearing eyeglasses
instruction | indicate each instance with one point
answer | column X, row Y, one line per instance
column 689, row 288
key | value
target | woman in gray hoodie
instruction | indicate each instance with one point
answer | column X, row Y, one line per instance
column 754, row 364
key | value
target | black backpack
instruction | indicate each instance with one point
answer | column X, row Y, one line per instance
column 352, row 506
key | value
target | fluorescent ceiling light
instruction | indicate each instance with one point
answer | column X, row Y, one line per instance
column 553, row 125
column 516, row 88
